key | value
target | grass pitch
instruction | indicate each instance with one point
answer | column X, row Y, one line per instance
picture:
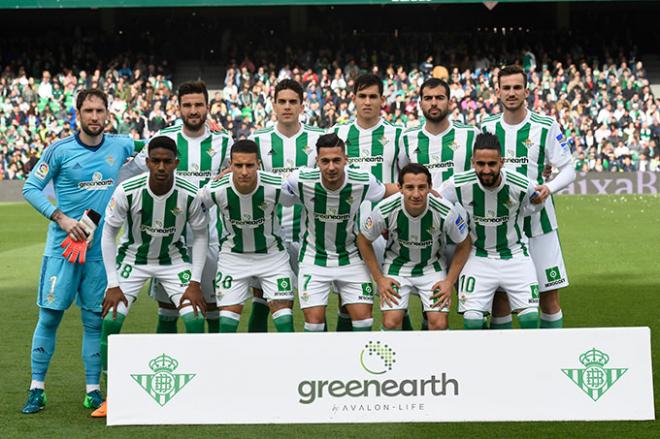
column 612, row 249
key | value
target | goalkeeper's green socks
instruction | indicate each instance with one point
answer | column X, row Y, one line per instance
column 258, row 321
column 110, row 326
column 283, row 320
column 555, row 320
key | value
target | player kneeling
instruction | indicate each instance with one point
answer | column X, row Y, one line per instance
column 252, row 248
column 496, row 200
column 154, row 209
column 417, row 224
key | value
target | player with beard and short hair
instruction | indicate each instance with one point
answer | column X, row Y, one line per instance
column 84, row 169
column 283, row 148
column 496, row 200
column 202, row 153
column 443, row 146
column 372, row 145
column 529, row 143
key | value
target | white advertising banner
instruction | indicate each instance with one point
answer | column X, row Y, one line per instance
column 533, row 375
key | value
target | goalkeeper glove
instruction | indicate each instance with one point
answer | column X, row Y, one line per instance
column 77, row 250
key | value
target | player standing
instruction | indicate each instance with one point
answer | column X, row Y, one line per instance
column 284, row 147
column 372, row 145
column 496, row 200
column 84, row 169
column 418, row 225
column 202, row 152
column 529, row 142
column 331, row 196
column 155, row 210
column 252, row 250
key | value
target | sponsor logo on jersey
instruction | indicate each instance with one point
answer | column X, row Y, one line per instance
column 365, row 159
column 163, row 384
column 247, row 222
column 97, row 183
column 284, row 171
column 516, row 160
column 195, row 173
column 441, row 165
column 490, row 220
column 594, row 379
column 157, row 229
column 42, row 171
column 414, row 243
column 332, row 216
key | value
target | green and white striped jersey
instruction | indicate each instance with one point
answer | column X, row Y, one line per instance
column 527, row 148
column 495, row 216
column 153, row 225
column 443, row 154
column 282, row 155
column 330, row 232
column 414, row 244
column 249, row 220
column 375, row 150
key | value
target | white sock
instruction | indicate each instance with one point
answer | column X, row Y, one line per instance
column 503, row 319
column 92, row 387
column 314, row 327
column 37, row 385
column 366, row 323
column 552, row 317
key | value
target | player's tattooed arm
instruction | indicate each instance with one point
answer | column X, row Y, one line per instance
column 71, row 226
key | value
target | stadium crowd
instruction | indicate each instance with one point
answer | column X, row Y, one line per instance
column 610, row 116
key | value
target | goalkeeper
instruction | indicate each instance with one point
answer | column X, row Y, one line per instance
column 84, row 169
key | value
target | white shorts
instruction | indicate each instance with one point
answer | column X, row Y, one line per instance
column 481, row 277
column 292, row 249
column 352, row 282
column 420, row 285
column 545, row 250
column 208, row 278
column 173, row 279
column 237, row 272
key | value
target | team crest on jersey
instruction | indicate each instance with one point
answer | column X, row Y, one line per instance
column 210, row 151
column 431, row 230
column 384, row 140
column 307, row 149
column 42, row 171
column 349, row 199
column 110, row 160
column 176, row 210
column 528, row 143
column 453, row 146
column 263, row 205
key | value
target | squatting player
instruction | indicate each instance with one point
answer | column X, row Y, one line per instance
column 84, row 169
column 331, row 196
column 155, row 210
column 496, row 200
column 284, row 147
column 252, row 250
column 372, row 145
column 202, row 153
column 529, row 142
column 417, row 224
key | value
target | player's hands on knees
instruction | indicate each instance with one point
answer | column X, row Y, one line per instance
column 441, row 294
column 388, row 289
column 193, row 296
column 113, row 296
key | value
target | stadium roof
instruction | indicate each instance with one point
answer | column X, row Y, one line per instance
column 59, row 4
